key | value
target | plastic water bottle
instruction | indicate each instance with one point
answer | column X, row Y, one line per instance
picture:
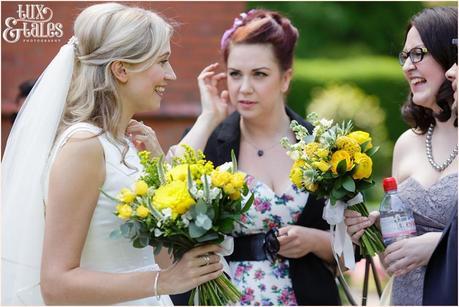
column 397, row 221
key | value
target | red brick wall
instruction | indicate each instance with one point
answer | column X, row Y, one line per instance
column 195, row 44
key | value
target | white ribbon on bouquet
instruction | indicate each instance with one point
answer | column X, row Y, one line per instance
column 228, row 247
column 341, row 241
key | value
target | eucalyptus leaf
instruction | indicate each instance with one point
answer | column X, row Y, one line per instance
column 195, row 231
column 115, row 234
column 208, row 237
column 248, row 204
column 339, row 193
column 234, row 162
column 349, row 184
column 201, row 207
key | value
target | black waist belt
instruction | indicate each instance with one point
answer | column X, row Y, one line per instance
column 248, row 248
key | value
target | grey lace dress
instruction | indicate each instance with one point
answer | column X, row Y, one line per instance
column 432, row 208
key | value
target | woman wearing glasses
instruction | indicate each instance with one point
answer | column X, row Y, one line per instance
column 258, row 52
column 424, row 161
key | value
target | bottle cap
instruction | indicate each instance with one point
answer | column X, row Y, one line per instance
column 389, row 184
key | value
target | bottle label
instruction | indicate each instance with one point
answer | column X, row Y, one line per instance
column 397, row 226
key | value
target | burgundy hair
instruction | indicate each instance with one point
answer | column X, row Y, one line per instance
column 265, row 27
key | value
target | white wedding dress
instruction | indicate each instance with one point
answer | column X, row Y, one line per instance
column 101, row 253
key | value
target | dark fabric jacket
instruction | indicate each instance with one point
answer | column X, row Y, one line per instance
column 313, row 283
column 440, row 281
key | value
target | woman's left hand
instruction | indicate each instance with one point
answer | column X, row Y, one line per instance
column 295, row 241
column 144, row 138
column 408, row 254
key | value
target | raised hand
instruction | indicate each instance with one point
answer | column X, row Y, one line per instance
column 213, row 103
column 143, row 137
column 197, row 266
column 356, row 223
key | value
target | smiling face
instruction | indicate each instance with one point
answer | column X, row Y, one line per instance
column 256, row 84
column 424, row 77
column 144, row 89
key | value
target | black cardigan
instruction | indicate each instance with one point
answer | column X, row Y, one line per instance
column 312, row 281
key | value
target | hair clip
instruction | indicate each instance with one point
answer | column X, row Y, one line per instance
column 236, row 24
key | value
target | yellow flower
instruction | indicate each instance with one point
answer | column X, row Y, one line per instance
column 175, row 196
column 238, row 180
column 361, row 137
column 235, row 196
column 125, row 212
column 364, row 166
column 348, row 144
column 118, row 208
column 322, row 165
column 339, row 156
column 220, row 179
column 140, row 187
column 311, row 148
column 311, row 187
column 322, row 153
column 296, row 173
column 179, row 172
column 229, row 188
column 142, row 211
column 126, row 195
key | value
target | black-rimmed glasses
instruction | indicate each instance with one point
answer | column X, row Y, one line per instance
column 416, row 55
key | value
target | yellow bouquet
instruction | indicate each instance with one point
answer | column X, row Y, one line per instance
column 336, row 163
column 183, row 205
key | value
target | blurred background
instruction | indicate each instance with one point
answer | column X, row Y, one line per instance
column 346, row 67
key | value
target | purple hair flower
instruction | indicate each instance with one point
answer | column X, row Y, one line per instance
column 236, row 24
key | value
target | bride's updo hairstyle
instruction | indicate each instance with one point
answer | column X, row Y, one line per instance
column 106, row 33
column 263, row 27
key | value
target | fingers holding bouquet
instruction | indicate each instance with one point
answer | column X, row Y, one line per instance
column 357, row 224
column 197, row 266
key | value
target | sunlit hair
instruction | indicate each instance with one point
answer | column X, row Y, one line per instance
column 265, row 27
column 106, row 33
column 437, row 27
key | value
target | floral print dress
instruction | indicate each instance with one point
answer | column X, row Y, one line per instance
column 261, row 282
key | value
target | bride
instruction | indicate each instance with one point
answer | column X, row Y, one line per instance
column 73, row 137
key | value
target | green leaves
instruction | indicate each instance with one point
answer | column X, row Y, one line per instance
column 342, row 167
column 349, row 184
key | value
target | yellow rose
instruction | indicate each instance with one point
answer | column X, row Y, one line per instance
column 322, row 165
column 237, row 180
column 229, row 188
column 179, row 172
column 140, row 187
column 126, row 195
column 142, row 211
column 361, row 137
column 348, row 144
column 296, row 173
column 125, row 212
column 311, row 148
column 364, row 166
column 175, row 196
column 339, row 156
column 220, row 179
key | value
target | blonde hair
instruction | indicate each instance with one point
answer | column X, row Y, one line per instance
column 106, row 33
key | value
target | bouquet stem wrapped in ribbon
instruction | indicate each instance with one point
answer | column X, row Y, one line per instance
column 335, row 163
column 182, row 205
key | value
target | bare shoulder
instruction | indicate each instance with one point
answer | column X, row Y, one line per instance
column 403, row 159
column 82, row 155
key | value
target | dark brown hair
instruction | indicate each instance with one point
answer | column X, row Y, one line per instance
column 265, row 27
column 437, row 27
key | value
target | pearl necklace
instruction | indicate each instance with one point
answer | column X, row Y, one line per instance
column 436, row 166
